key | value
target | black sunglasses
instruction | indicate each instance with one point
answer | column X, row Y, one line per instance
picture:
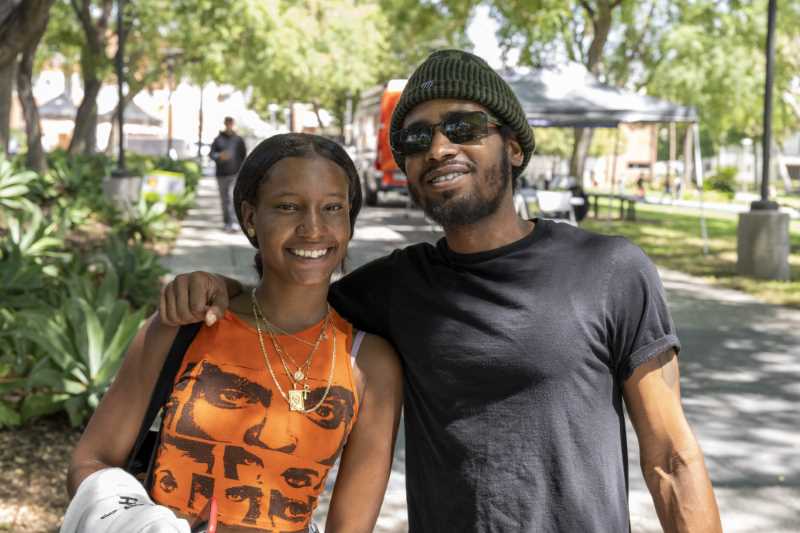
column 459, row 126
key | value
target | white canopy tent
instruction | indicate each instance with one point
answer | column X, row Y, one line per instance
column 571, row 97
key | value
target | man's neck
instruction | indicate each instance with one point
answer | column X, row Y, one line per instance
column 495, row 231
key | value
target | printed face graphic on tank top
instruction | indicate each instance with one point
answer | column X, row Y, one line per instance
column 228, row 435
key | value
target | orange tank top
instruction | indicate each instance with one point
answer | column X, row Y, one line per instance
column 228, row 430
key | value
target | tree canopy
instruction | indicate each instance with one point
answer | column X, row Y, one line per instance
column 706, row 53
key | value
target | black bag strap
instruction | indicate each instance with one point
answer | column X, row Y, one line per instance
column 163, row 388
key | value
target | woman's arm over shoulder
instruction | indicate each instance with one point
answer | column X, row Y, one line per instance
column 367, row 458
column 114, row 426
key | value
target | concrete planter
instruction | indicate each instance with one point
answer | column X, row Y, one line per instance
column 123, row 190
column 763, row 245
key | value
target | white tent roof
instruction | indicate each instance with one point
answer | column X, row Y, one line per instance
column 570, row 96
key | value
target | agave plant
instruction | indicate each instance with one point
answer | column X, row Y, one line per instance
column 85, row 341
column 31, row 236
column 14, row 186
column 137, row 268
column 21, row 278
column 148, row 221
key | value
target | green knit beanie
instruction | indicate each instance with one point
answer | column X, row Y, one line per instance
column 463, row 76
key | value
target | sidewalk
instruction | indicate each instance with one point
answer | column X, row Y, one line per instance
column 202, row 245
column 740, row 374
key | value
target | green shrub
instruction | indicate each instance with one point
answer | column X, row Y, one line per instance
column 188, row 167
column 14, row 187
column 151, row 197
column 146, row 222
column 74, row 187
column 85, row 340
column 723, row 181
column 179, row 204
column 137, row 268
column 31, row 236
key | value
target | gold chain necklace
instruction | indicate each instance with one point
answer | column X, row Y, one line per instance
column 271, row 326
column 299, row 374
column 296, row 397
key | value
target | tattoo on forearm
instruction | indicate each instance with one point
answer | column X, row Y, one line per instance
column 669, row 368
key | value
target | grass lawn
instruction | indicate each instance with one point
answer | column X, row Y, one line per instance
column 671, row 237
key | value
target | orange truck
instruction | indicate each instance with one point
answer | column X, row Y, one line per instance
column 373, row 155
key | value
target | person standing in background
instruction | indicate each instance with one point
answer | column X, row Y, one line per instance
column 228, row 152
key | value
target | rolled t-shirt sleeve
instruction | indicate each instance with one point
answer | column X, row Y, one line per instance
column 364, row 296
column 638, row 318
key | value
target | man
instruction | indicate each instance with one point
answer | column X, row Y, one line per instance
column 228, row 152
column 519, row 338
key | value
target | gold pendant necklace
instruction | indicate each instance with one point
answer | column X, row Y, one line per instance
column 299, row 374
column 296, row 397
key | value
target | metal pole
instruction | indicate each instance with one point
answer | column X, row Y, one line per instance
column 170, row 82
column 120, row 67
column 200, row 126
column 765, row 203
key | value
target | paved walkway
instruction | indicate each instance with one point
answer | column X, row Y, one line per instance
column 740, row 367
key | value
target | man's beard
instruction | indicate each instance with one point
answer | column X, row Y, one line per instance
column 473, row 205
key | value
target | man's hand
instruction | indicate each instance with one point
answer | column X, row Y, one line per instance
column 194, row 297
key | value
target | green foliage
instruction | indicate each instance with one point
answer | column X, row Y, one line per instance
column 304, row 43
column 29, row 235
column 606, row 140
column 188, row 167
column 146, row 222
column 137, row 268
column 31, row 254
column 716, row 63
column 79, row 175
column 74, row 187
column 85, row 340
column 724, row 180
column 553, row 141
column 14, row 186
column 65, row 317
column 179, row 204
column 9, row 417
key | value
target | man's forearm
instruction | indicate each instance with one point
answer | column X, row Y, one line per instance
column 682, row 493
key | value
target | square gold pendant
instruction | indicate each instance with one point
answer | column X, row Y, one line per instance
column 297, row 400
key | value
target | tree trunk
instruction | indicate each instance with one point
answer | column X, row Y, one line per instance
column 35, row 158
column 6, row 86
column 688, row 160
column 319, row 119
column 18, row 19
column 113, row 134
column 601, row 26
column 94, row 22
column 84, row 135
column 580, row 150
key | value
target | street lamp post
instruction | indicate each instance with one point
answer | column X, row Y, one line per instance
column 119, row 63
column 122, row 188
column 765, row 203
column 172, row 55
column 762, row 246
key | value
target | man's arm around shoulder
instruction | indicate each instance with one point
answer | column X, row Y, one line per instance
column 671, row 460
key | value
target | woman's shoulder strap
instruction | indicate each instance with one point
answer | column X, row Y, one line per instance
column 162, row 390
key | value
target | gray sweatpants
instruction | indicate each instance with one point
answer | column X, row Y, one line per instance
column 226, row 184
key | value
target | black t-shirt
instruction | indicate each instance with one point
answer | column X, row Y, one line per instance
column 514, row 361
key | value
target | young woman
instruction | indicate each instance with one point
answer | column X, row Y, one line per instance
column 268, row 398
